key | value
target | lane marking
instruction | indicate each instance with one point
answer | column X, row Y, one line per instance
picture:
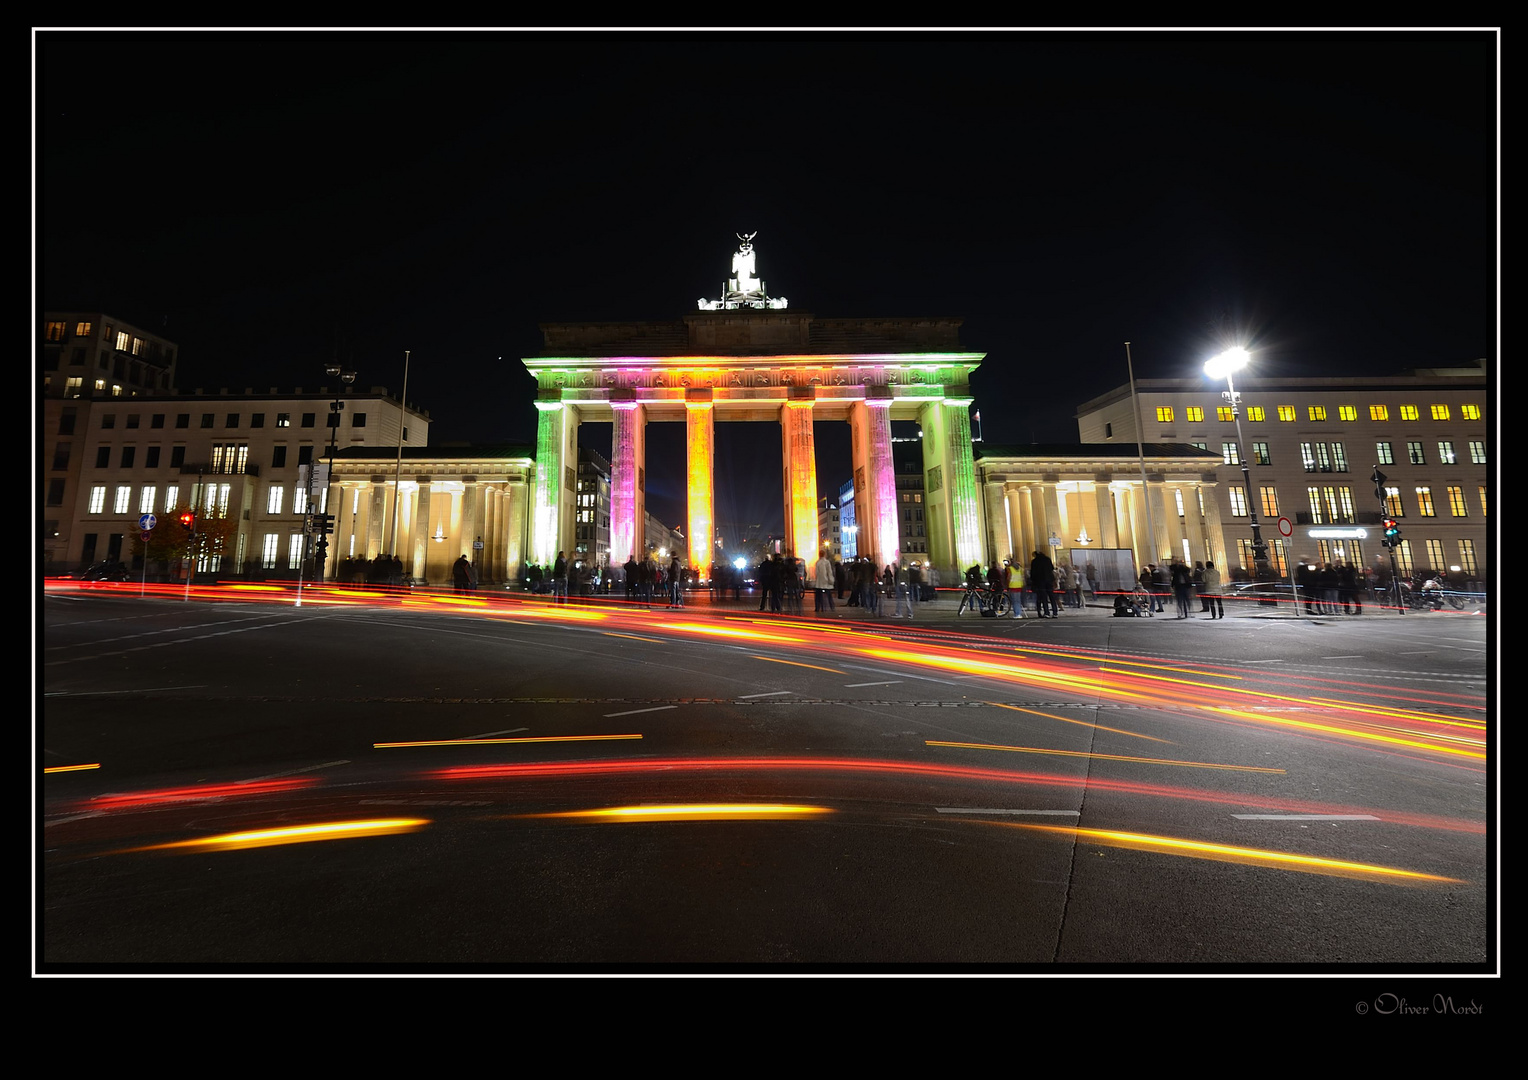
column 1305, row 817
column 893, row 682
column 794, row 663
column 633, row 712
column 493, row 734
column 105, row 693
column 533, row 739
column 292, row 772
column 772, row 693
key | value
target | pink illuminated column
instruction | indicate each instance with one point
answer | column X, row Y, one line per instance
column 700, row 448
column 626, row 510
column 800, row 460
column 875, row 478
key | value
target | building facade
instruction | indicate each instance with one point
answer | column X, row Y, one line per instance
column 1312, row 448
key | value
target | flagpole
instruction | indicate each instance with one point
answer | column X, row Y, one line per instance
column 1140, row 450
column 398, row 472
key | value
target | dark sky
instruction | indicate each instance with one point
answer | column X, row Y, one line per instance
column 266, row 199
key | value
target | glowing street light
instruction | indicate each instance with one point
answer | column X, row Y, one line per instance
column 1223, row 366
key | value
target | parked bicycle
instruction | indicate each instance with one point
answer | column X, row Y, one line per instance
column 981, row 598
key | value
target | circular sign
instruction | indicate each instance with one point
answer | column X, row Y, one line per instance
column 147, row 522
column 1285, row 528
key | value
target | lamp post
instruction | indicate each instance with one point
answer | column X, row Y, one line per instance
column 335, row 408
column 1225, row 364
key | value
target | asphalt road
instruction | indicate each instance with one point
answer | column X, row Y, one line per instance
column 513, row 787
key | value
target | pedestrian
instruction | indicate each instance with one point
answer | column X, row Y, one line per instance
column 905, row 595
column 676, row 583
column 1042, row 579
column 1182, row 579
column 460, row 575
column 1015, row 586
column 1212, row 600
column 823, row 583
column 560, row 579
column 1204, row 601
column 1352, row 590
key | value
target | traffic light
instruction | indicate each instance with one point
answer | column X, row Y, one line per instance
column 187, row 520
column 1392, row 533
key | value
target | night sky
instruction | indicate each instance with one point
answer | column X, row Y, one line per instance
column 270, row 200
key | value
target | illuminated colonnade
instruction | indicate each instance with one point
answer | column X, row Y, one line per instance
column 755, row 366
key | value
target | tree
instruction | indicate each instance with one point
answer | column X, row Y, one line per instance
column 171, row 546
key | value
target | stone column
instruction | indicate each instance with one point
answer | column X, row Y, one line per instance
column 419, row 536
column 1108, row 529
column 1014, row 501
column 997, row 522
column 700, row 501
column 879, row 527
column 800, row 468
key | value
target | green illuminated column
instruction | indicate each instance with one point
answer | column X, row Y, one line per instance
column 550, row 419
column 961, row 480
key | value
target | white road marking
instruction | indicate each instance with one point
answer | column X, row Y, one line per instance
column 772, row 693
column 492, row 734
column 1305, row 817
column 294, row 772
column 104, row 693
column 893, row 682
column 633, row 712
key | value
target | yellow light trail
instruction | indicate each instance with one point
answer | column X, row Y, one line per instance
column 1083, row 723
column 734, row 632
column 793, row 663
column 70, row 768
column 481, row 742
column 295, row 834
column 1103, row 757
column 634, row 637
column 1352, row 733
column 1279, row 860
column 695, row 812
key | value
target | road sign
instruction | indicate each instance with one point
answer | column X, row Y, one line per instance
column 1285, row 528
column 147, row 522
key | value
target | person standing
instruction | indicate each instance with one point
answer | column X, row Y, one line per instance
column 461, row 575
column 560, row 579
column 823, row 583
column 903, row 586
column 1183, row 586
column 1042, row 579
column 1204, row 602
column 1015, row 585
column 1212, row 600
column 1352, row 590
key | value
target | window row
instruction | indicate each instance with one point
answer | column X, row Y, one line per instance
column 1352, row 553
column 227, row 458
column 148, row 498
column 1331, row 505
column 1317, row 413
column 1333, row 457
column 209, row 420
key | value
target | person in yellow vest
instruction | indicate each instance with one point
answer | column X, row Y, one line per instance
column 1015, row 589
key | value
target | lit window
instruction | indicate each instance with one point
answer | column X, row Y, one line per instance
column 82, row 329
column 1347, row 412
column 97, row 495
column 1382, row 452
column 1470, row 412
column 270, row 547
column 1270, row 502
column 1287, row 413
column 124, row 339
column 1456, row 502
column 1308, row 456
column 171, row 497
column 1260, row 455
column 1424, row 502
column 1379, row 412
column 1440, row 412
column 146, row 499
column 1483, row 500
column 56, row 331
column 1393, row 505
column 122, row 499
column 1178, row 496
column 1467, row 556
column 1339, row 457
column 294, row 551
column 1414, row 453
column 1409, row 412
column 1344, row 505
column 273, row 500
column 1255, row 413
column 1318, row 412
column 1477, row 452
column 283, row 419
column 1164, row 414
column 1446, row 453
column 1194, row 413
column 1224, row 414
column 1238, row 501
column 1323, row 457
column 1314, row 496
column 1228, row 454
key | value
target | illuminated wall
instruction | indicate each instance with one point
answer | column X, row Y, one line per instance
column 960, row 476
column 626, row 463
column 700, row 448
column 550, row 418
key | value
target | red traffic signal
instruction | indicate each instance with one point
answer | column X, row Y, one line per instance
column 187, row 520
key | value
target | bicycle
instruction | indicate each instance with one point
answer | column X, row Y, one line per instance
column 974, row 597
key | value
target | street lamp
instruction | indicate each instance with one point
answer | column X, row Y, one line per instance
column 335, row 408
column 1233, row 360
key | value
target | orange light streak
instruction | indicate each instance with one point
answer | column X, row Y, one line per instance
column 70, row 768
column 500, row 742
column 295, row 834
column 793, row 663
column 1104, row 757
column 198, row 793
column 735, row 632
column 1082, row 723
column 695, row 812
column 1278, row 860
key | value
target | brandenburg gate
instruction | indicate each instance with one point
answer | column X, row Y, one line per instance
column 746, row 358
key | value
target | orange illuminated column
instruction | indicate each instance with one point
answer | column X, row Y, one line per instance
column 800, row 474
column 700, row 449
column 626, row 445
